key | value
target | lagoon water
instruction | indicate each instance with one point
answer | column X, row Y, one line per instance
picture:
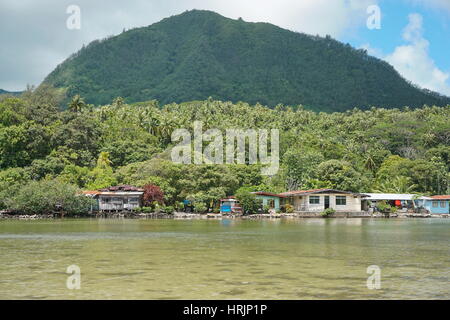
column 225, row 259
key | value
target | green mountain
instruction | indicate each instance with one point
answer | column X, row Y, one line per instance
column 201, row 54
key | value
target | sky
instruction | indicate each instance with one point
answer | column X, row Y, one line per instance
column 412, row 35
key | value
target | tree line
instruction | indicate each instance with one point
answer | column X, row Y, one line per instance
column 82, row 146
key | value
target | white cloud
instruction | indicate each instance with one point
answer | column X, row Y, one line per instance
column 413, row 62
column 35, row 39
column 434, row 4
column 372, row 51
column 310, row 16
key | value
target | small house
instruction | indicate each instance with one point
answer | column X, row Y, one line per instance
column 271, row 200
column 93, row 195
column 437, row 204
column 318, row 200
column 399, row 200
column 230, row 205
column 117, row 198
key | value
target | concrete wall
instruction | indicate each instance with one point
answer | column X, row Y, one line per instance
column 117, row 202
column 301, row 203
column 265, row 200
column 438, row 210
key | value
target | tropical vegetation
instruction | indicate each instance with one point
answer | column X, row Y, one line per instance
column 44, row 147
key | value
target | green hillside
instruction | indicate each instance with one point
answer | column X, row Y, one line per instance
column 200, row 54
column 14, row 93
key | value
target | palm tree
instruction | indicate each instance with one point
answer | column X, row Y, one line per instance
column 77, row 104
column 369, row 162
column 103, row 160
column 399, row 184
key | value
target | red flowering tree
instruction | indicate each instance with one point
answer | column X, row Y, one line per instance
column 153, row 193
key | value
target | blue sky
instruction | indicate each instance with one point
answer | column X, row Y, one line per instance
column 395, row 17
column 414, row 35
column 394, row 20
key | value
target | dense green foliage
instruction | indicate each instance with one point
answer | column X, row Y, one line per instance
column 200, row 54
column 47, row 196
column 249, row 203
column 90, row 148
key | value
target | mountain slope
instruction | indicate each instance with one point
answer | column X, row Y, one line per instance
column 199, row 54
column 14, row 93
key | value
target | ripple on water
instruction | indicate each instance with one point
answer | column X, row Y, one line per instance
column 233, row 292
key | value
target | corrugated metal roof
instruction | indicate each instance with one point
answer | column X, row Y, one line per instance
column 301, row 191
column 442, row 197
column 314, row 191
column 269, row 194
column 391, row 196
column 123, row 187
column 121, row 193
column 89, row 192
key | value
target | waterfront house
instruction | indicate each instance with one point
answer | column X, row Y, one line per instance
column 318, row 200
column 93, row 195
column 117, row 198
column 399, row 200
column 437, row 204
column 271, row 200
column 230, row 205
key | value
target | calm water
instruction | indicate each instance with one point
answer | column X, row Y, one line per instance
column 198, row 259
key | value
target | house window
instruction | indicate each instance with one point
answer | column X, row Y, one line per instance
column 133, row 200
column 341, row 200
column 435, row 204
column 271, row 203
column 314, row 199
column 443, row 204
column 106, row 200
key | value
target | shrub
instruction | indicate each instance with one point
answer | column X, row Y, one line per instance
column 147, row 209
column 385, row 208
column 153, row 194
column 46, row 196
column 328, row 212
column 288, row 208
column 200, row 207
column 168, row 209
column 179, row 206
column 248, row 202
column 156, row 206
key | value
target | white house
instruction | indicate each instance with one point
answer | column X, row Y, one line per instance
column 320, row 199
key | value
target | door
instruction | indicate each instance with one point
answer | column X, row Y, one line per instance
column 327, row 202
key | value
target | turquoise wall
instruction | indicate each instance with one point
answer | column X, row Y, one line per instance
column 438, row 210
column 265, row 200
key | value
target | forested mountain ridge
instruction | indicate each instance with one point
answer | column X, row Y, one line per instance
column 200, row 54
column 14, row 93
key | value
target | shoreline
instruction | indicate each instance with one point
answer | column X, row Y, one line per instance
column 214, row 216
